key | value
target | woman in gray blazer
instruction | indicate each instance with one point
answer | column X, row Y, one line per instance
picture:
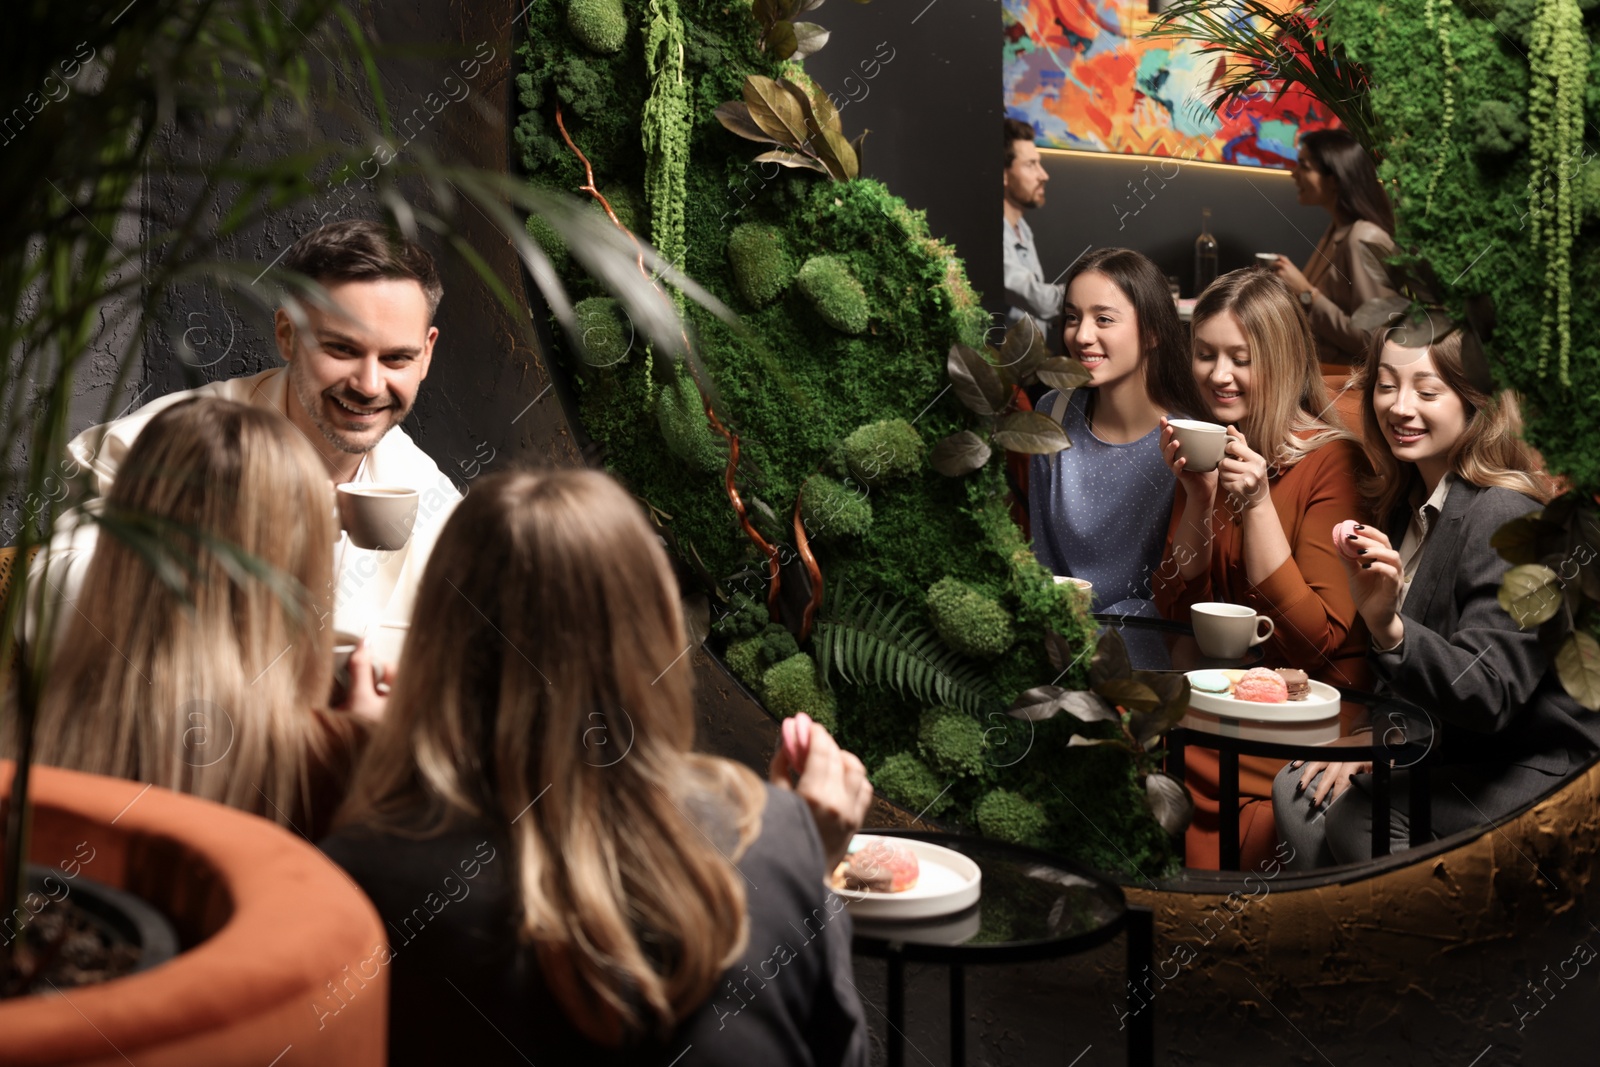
column 1450, row 471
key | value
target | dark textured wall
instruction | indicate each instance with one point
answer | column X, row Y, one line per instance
column 933, row 109
column 1153, row 206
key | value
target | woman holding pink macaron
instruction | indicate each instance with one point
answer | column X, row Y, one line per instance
column 1254, row 531
column 1450, row 471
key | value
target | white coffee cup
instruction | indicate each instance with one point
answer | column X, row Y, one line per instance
column 1268, row 260
column 377, row 517
column 1200, row 444
column 1080, row 583
column 1227, row 631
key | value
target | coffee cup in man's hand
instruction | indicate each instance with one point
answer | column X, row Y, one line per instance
column 377, row 517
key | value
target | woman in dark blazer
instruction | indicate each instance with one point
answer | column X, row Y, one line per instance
column 1450, row 471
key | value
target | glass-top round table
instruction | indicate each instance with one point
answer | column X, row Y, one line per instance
column 1033, row 906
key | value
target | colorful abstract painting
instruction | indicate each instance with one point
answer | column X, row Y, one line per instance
column 1081, row 73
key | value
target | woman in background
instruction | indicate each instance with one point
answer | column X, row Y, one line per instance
column 613, row 896
column 1347, row 269
column 1255, row 530
column 1450, row 471
column 197, row 657
column 1099, row 510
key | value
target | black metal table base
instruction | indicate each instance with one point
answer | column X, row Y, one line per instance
column 1139, row 927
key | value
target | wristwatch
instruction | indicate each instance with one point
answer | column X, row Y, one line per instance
column 1307, row 297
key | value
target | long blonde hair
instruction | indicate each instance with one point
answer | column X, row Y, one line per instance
column 553, row 697
column 1289, row 414
column 1490, row 451
column 209, row 690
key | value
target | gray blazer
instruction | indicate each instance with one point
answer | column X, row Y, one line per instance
column 1486, row 685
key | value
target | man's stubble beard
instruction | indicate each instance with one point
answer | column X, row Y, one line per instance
column 311, row 403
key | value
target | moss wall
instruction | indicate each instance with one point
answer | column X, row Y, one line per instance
column 836, row 375
column 1451, row 88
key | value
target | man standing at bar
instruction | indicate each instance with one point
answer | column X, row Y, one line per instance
column 356, row 358
column 1027, row 293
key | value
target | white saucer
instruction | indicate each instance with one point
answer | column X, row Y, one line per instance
column 948, row 883
column 1312, row 721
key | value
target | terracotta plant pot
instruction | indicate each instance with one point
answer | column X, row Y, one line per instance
column 284, row 955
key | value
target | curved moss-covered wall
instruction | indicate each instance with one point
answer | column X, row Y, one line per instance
column 835, row 382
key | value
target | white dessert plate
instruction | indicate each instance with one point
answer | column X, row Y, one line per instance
column 1311, row 721
column 948, row 882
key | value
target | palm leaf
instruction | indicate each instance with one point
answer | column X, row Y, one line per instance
column 1290, row 47
column 875, row 643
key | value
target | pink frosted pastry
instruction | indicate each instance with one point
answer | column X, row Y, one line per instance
column 1341, row 538
column 1262, row 687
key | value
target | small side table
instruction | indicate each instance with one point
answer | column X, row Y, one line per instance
column 1034, row 907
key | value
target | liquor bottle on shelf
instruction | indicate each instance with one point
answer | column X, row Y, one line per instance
column 1205, row 254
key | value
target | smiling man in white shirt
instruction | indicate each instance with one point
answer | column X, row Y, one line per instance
column 355, row 361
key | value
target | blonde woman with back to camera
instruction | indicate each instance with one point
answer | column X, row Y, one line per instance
column 1255, row 530
column 566, row 881
column 219, row 688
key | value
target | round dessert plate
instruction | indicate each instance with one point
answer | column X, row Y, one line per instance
column 947, row 882
column 1311, row 721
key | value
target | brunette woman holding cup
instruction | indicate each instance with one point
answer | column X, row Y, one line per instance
column 1099, row 509
column 1254, row 531
column 1450, row 472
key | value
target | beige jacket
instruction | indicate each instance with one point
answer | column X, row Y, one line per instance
column 370, row 587
column 1347, row 270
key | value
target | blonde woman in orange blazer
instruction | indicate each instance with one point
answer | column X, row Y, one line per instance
column 1256, row 530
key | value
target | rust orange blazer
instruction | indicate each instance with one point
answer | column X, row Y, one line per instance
column 1315, row 625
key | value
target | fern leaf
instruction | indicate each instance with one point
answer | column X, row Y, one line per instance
column 877, row 644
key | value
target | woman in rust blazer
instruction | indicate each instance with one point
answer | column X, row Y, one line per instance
column 1256, row 530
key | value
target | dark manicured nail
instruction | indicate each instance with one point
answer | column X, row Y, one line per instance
column 1360, row 527
column 1367, row 566
column 1351, row 537
column 1361, row 552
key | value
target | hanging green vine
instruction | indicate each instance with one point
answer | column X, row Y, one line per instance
column 666, row 127
column 1558, row 59
column 1440, row 24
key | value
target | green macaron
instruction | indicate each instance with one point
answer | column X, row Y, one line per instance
column 1209, row 681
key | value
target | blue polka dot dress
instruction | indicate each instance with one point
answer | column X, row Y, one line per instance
column 1099, row 511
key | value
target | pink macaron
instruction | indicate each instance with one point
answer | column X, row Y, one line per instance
column 1341, row 538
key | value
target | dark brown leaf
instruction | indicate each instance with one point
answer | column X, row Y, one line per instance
column 1059, row 652
column 1059, row 372
column 959, row 454
column 976, row 382
column 1023, row 349
column 1032, row 432
column 735, row 118
column 786, row 158
column 782, row 42
column 1169, row 801
column 1518, row 541
column 840, row 150
column 1110, row 660
column 775, row 111
column 859, row 144
column 1135, row 696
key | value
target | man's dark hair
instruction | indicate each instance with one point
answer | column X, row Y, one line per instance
column 363, row 250
column 1016, row 130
